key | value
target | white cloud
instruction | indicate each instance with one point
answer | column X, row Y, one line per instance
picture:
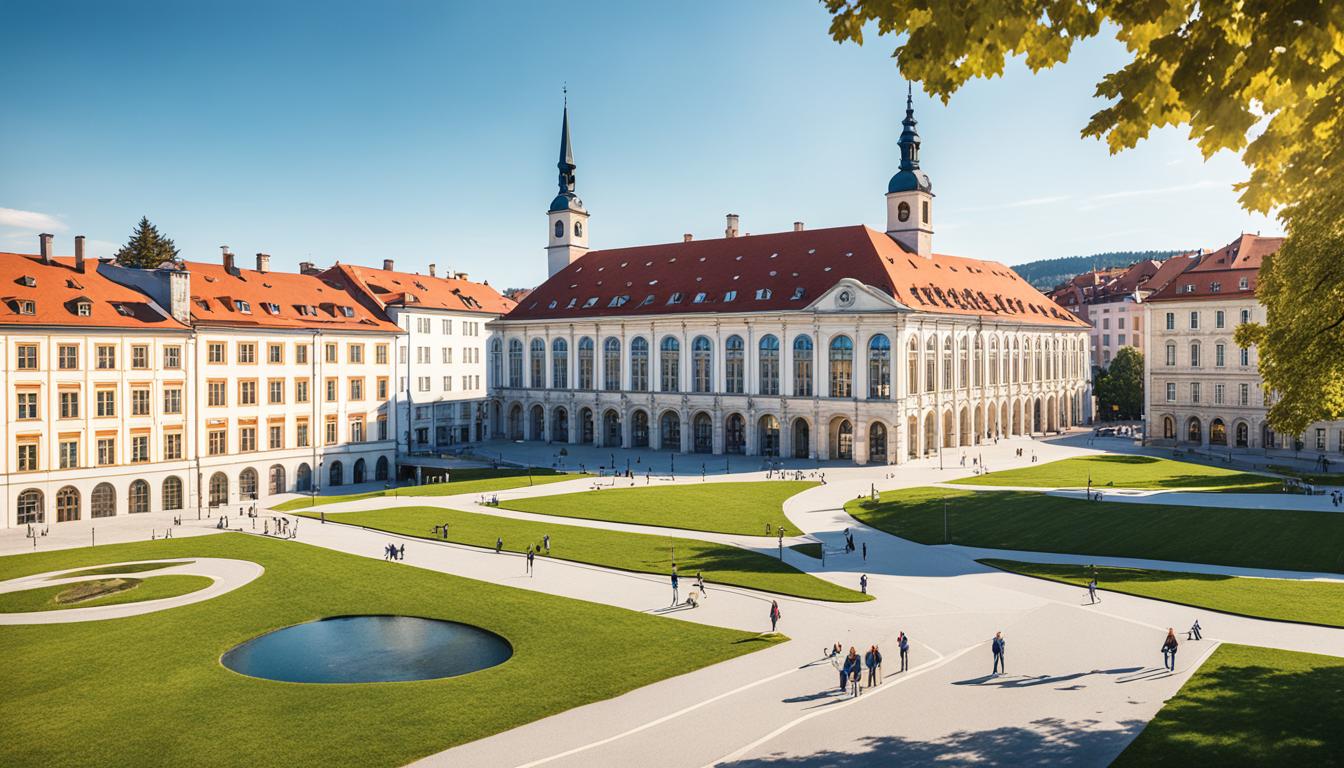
column 1096, row 201
column 37, row 222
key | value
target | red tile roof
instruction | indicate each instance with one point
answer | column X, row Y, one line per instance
column 782, row 271
column 1218, row 275
column 56, row 289
column 386, row 288
column 248, row 298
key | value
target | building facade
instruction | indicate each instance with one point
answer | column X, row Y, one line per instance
column 842, row 343
column 1203, row 389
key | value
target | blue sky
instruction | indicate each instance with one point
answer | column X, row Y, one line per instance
column 427, row 132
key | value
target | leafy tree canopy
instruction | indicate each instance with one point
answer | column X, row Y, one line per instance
column 147, row 248
column 1121, row 385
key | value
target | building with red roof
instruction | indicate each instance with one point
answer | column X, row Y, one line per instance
column 843, row 343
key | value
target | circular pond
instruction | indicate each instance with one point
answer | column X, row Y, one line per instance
column 368, row 649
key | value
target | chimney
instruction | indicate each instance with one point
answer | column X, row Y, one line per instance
column 388, row 265
column 731, row 229
column 306, row 268
column 79, row 253
column 45, row 241
column 688, row 237
column 228, row 259
column 797, row 226
column 263, row 262
column 463, row 276
column 431, row 270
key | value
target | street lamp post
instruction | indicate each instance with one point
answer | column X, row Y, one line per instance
column 945, row 538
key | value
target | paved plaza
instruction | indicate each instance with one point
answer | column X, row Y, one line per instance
column 1082, row 680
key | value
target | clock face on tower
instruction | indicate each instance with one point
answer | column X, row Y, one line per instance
column 903, row 211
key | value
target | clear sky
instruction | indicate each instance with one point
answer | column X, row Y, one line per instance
column 428, row 132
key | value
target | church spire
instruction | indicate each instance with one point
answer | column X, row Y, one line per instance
column 568, row 221
column 909, row 177
column 566, row 199
column 909, row 193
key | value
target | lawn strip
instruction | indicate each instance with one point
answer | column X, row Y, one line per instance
column 1126, row 471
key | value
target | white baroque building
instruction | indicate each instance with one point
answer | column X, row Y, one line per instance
column 842, row 343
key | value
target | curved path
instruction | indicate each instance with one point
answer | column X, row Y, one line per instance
column 228, row 575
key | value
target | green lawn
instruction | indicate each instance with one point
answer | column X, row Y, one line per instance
column 126, row 568
column 1315, row 478
column 470, row 480
column 150, row 588
column 811, row 549
column 1035, row 522
column 754, row 509
column 1316, row 602
column 1249, row 706
column 150, row 690
column 1122, row 471
column 644, row 553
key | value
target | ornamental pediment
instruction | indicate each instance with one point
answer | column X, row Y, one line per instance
column 850, row 295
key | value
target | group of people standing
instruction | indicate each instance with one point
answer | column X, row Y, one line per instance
column 852, row 666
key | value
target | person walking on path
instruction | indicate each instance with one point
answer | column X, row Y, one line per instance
column 863, row 584
column 700, row 584
column 674, row 587
column 401, row 553
column 1195, row 631
column 529, row 561
column 499, row 544
column 998, row 646
column 855, row 671
column 546, row 542
column 1169, row 651
column 774, row 614
column 1092, row 589
column 844, row 675
column 870, row 661
column 904, row 643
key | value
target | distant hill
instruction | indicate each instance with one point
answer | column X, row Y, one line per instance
column 1048, row 273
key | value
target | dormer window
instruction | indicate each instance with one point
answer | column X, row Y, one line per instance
column 123, row 310
column 26, row 307
column 552, row 304
column 675, row 298
column 1215, row 287
column 619, row 301
column 591, row 302
column 798, row 293
column 762, row 294
column 28, row 281
column 270, row 307
column 1244, row 284
column 730, row 296
column 647, row 300
column 243, row 306
column 84, row 308
column 347, row 311
column 571, row 303
column 699, row 298
column 307, row 310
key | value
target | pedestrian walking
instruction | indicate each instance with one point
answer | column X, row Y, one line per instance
column 401, row 553
column 674, row 587
column 529, row 561
column 1092, row 589
column 774, row 614
column 1169, row 650
column 499, row 544
column 870, row 661
column 855, row 672
column 998, row 646
column 1195, row 631
column 546, row 542
column 863, row 584
column 700, row 584
column 903, row 643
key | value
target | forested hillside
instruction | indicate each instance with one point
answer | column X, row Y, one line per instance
column 1047, row 273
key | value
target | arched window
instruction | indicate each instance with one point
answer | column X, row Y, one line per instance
column 1016, row 360
column 669, row 430
column 585, row 363
column 842, row 367
column 803, row 366
column 734, row 366
column 103, row 501
column 361, row 467
column 702, row 433
column 67, row 504
column 496, row 363
column 1193, row 431
column 947, row 364
column 560, row 364
column 639, row 364
column 912, row 367
column 879, row 367
column 1168, row 428
column 30, row 507
column 336, row 473
column 537, row 364
column 735, row 434
column 611, row 364
column 276, row 480
column 768, row 365
column 931, row 365
column 172, row 492
column 669, row 364
column 247, row 484
column 978, row 362
column 219, row 489
column 380, row 470
column 138, row 498
column 1039, row 361
column 303, row 478
column 1217, row 432
column 559, row 229
column 515, row 363
column 578, row 229
column 877, row 442
column 1219, row 355
column 702, row 365
column 963, row 364
column 993, row 360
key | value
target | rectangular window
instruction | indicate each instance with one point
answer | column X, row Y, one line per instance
column 1243, row 394
column 331, row 353
column 67, row 357
column 277, row 436
column 1245, row 316
column 172, row 446
column 68, row 453
column 1220, row 319
column 447, row 327
column 380, row 354
column 275, row 391
column 382, row 387
column 107, row 451
column 356, row 389
column 355, row 353
column 301, row 354
column 1194, row 392
column 382, row 429
column 301, row 433
column 140, row 356
column 1320, row 438
column 172, row 400
column 331, row 431
column 247, row 353
column 1245, row 353
column 140, row 401
column 356, row 430
column 139, row 448
column 1219, row 355
column 275, row 353
column 172, row 358
column 1217, row 394
column 1171, row 392
column 247, row 392
column 214, row 353
column 70, row 404
column 1171, row 321
column 301, row 390
column 216, row 393
column 27, row 456
column 27, row 405
column 331, row 390
column 106, row 402
column 247, row 438
column 217, row 442
column 1194, row 321
column 107, row 357
column 423, row 383
column 447, row 383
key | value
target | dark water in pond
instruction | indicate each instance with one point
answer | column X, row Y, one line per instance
column 368, row 649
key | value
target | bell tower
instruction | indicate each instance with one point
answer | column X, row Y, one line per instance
column 909, row 193
column 568, row 221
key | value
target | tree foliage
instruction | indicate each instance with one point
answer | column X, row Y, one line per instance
column 1120, row 385
column 1261, row 77
column 147, row 248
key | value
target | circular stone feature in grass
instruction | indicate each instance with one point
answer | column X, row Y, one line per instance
column 368, row 649
column 114, row 590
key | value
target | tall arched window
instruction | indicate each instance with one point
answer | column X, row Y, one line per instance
column 30, row 508
column 1016, row 357
column 768, row 365
column 172, row 492
column 639, row 364
column 978, row 362
column 515, row 362
column 803, row 366
column 879, row 367
column 1039, row 372
column 103, row 501
column 842, row 367
column 67, row 504
column 912, row 367
column 734, row 365
column 931, row 364
column 219, row 489
column 247, row 484
column 669, row 364
column 537, row 364
column 585, row 363
column 138, row 497
column 611, row 364
column 947, row 364
column 560, row 364
column 496, row 363
column 993, row 360
column 702, row 365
